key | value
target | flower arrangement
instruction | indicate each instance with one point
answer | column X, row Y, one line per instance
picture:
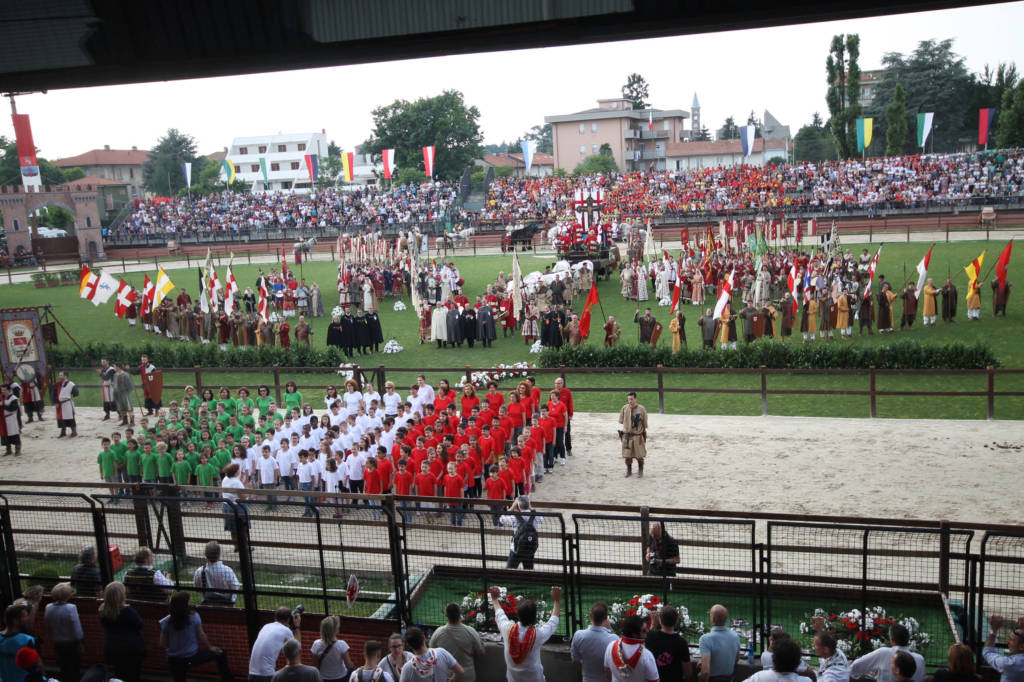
column 665, row 302
column 499, row 373
column 854, row 627
column 537, row 347
column 476, row 613
column 399, row 306
column 392, row 347
column 337, row 311
column 645, row 606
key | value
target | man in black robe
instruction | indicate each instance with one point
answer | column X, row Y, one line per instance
column 468, row 322
column 335, row 336
column 348, row 333
column 551, row 330
column 485, row 329
column 376, row 332
column 646, row 322
column 361, row 331
column 454, row 325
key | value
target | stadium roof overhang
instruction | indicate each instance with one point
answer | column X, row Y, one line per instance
column 50, row 44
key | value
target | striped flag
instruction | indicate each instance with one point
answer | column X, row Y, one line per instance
column 791, row 284
column 163, row 287
column 387, row 157
column 924, row 127
column 87, row 283
column 264, row 307
column 230, row 289
column 428, row 160
column 985, row 119
column 229, row 170
column 147, row 295
column 871, row 272
column 723, row 298
column 865, row 126
column 348, row 160
column 922, row 271
column 650, row 119
column 973, row 271
column 313, row 166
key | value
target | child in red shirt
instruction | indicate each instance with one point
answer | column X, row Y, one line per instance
column 385, row 468
column 426, row 486
column 496, row 492
column 506, row 477
column 371, row 484
column 558, row 411
column 403, row 484
column 453, row 485
column 515, row 465
column 547, row 425
column 527, row 454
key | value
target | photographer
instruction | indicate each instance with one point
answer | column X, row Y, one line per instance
column 662, row 551
column 270, row 641
column 525, row 538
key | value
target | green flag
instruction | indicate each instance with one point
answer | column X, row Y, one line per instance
column 924, row 127
column 263, row 168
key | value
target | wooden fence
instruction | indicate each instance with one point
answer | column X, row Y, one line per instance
column 378, row 375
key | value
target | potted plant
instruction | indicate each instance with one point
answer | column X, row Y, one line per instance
column 38, row 279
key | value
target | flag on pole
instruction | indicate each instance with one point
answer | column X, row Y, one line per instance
column 529, row 147
column 650, row 120
column 125, row 298
column 924, row 127
column 592, row 300
column 263, row 170
column 230, row 289
column 1002, row 264
column 147, row 295
column 348, row 161
column 922, row 271
column 284, row 263
column 428, row 161
column 747, row 136
column 985, row 119
column 204, row 300
column 30, row 175
column 723, row 298
column 675, row 297
column 387, row 157
column 807, row 284
column 213, row 287
column 186, row 168
column 264, row 307
column 87, row 283
column 106, row 288
column 871, row 273
column 791, row 285
column 517, row 292
column 164, row 286
column 313, row 166
column 229, row 170
column 973, row 271
column 865, row 126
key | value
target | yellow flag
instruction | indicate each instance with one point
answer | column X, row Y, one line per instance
column 973, row 271
column 164, row 286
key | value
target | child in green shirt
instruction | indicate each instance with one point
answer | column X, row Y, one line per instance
column 131, row 461
column 206, row 474
column 164, row 463
column 148, row 464
column 106, row 462
column 180, row 470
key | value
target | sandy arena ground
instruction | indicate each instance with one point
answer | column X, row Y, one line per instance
column 923, row 469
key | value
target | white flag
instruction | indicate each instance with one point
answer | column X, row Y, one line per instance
column 723, row 298
column 106, row 288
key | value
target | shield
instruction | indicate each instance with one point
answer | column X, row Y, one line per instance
column 352, row 590
column 155, row 389
column 833, row 315
column 757, row 325
column 655, row 334
column 26, row 373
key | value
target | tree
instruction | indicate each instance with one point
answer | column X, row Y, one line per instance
column 605, row 150
column 10, row 169
column 56, row 217
column 843, row 96
column 162, row 173
column 1011, row 118
column 542, row 135
column 411, row 176
column 702, row 135
column 514, row 147
column 896, row 122
column 814, row 142
column 730, row 131
column 987, row 91
column 72, row 174
column 330, row 170
column 333, row 150
column 443, row 121
column 636, row 91
column 935, row 79
column 596, row 164
column 753, row 120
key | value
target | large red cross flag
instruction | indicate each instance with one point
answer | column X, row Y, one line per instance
column 264, row 306
column 871, row 272
column 87, row 283
column 148, row 294
column 791, row 285
column 592, row 300
column 125, row 298
column 725, row 295
column 428, row 160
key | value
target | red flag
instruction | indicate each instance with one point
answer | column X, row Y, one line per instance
column 1001, row 265
column 125, row 297
column 650, row 119
column 791, row 285
column 684, row 235
column 284, row 263
column 675, row 299
column 585, row 317
column 148, row 295
column 264, row 305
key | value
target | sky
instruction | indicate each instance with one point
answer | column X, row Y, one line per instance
column 781, row 70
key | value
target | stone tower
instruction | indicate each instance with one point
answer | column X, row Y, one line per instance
column 695, row 117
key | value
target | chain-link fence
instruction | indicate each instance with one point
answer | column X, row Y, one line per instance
column 1000, row 581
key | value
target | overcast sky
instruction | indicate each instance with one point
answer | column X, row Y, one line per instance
column 778, row 69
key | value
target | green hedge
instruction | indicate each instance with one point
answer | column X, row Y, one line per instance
column 777, row 355
column 187, row 355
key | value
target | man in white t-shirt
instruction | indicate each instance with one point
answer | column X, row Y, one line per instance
column 785, row 661
column 523, row 640
column 426, row 391
column 268, row 645
column 879, row 661
column 434, row 665
column 627, row 658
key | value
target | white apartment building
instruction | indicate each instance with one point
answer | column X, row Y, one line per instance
column 285, row 157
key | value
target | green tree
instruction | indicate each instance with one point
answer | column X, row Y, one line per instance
column 56, row 217
column 333, row 150
column 896, row 123
column 843, row 96
column 605, row 150
column 703, row 135
column 813, row 142
column 411, row 176
column 10, row 169
column 730, row 131
column 162, row 172
column 542, row 135
column 636, row 91
column 935, row 79
column 443, row 121
column 596, row 164
column 72, row 174
column 987, row 90
column 330, row 171
column 514, row 147
column 1011, row 119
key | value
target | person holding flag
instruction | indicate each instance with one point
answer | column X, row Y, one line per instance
column 1000, row 287
column 973, row 271
column 929, row 308
column 592, row 300
column 678, row 328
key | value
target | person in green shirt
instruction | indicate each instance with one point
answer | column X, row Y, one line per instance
column 246, row 418
column 132, row 454
column 224, row 398
column 234, row 428
column 243, row 400
column 191, row 455
column 164, row 462
column 206, row 474
column 263, row 400
column 180, row 470
column 148, row 464
column 190, row 399
column 106, row 462
column 292, row 397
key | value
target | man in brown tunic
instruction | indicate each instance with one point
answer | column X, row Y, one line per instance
column 612, row 332
column 302, row 331
column 646, row 322
column 571, row 331
column 788, row 315
column 1000, row 297
column 633, row 434
column 909, row 297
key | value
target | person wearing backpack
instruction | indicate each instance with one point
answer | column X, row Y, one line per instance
column 330, row 654
column 525, row 539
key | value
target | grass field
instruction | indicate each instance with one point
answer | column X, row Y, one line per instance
column 87, row 323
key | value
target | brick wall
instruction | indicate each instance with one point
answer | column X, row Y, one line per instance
column 225, row 628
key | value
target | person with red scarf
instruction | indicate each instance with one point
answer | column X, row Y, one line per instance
column 626, row 658
column 523, row 640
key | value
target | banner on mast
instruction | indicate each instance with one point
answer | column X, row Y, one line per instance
column 30, row 176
